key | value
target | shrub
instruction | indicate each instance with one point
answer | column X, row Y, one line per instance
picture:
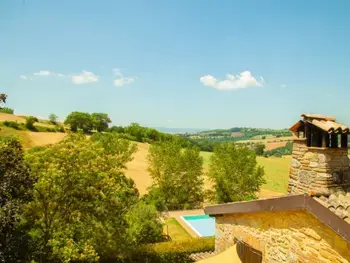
column 173, row 251
column 7, row 110
column 12, row 124
column 30, row 123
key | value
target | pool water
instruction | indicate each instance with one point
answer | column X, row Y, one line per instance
column 203, row 225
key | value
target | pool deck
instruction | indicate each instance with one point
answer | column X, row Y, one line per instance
column 177, row 215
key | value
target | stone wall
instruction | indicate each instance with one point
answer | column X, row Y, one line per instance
column 317, row 171
column 293, row 236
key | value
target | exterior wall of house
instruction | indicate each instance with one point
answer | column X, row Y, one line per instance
column 317, row 171
column 292, row 236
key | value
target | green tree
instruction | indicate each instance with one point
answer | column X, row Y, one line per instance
column 30, row 120
column 15, row 190
column 143, row 228
column 135, row 130
column 177, row 175
column 100, row 121
column 234, row 170
column 259, row 149
column 79, row 120
column 82, row 198
column 3, row 98
column 53, row 118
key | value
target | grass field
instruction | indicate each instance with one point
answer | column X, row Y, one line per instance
column 23, row 136
column 276, row 171
column 175, row 230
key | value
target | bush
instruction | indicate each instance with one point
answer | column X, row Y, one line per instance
column 12, row 124
column 7, row 110
column 30, row 123
column 166, row 252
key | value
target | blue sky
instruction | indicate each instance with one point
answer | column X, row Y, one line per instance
column 195, row 64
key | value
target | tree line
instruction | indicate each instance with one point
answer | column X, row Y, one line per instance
column 71, row 201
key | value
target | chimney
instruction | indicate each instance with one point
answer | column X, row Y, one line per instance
column 320, row 162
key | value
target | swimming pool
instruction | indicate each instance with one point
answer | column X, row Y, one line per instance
column 203, row 225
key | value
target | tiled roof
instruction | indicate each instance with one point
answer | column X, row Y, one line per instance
column 338, row 204
column 318, row 116
column 202, row 255
column 330, row 126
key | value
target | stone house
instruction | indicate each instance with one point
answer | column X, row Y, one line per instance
column 312, row 222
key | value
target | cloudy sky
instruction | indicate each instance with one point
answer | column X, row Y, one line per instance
column 195, row 64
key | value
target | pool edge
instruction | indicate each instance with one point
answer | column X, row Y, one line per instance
column 190, row 226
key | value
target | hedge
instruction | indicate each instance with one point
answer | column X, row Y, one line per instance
column 167, row 252
column 7, row 110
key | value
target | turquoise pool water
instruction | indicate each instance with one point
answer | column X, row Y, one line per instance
column 203, row 225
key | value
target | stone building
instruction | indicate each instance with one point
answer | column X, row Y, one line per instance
column 312, row 222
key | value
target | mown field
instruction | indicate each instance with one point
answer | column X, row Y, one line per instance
column 276, row 172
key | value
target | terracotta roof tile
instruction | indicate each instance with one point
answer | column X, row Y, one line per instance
column 338, row 204
column 202, row 255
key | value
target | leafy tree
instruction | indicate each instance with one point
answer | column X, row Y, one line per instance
column 53, row 118
column 177, row 175
column 79, row 120
column 100, row 121
column 3, row 98
column 82, row 198
column 30, row 123
column 134, row 129
column 259, row 149
column 15, row 190
column 143, row 228
column 235, row 172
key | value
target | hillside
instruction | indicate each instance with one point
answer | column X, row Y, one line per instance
column 276, row 172
column 29, row 138
column 276, row 169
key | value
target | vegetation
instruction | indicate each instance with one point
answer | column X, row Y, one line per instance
column 259, row 149
column 15, row 190
column 177, row 176
column 30, row 123
column 174, row 251
column 3, row 98
column 82, row 207
column 100, row 121
column 53, row 118
column 175, row 230
column 280, row 151
column 7, row 110
column 234, row 170
column 238, row 134
column 13, row 124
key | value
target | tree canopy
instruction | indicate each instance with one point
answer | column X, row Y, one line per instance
column 84, row 206
column 15, row 190
column 100, row 121
column 3, row 98
column 177, row 175
column 234, row 170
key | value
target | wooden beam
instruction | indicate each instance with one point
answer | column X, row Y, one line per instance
column 324, row 139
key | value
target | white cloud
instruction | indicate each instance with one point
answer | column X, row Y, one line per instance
column 23, row 77
column 60, row 75
column 283, row 86
column 244, row 80
column 84, row 78
column 44, row 73
column 120, row 80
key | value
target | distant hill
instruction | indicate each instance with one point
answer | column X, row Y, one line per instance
column 240, row 134
column 178, row 130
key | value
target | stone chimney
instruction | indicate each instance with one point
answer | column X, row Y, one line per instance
column 320, row 162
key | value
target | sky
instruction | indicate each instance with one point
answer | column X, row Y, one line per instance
column 185, row 64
